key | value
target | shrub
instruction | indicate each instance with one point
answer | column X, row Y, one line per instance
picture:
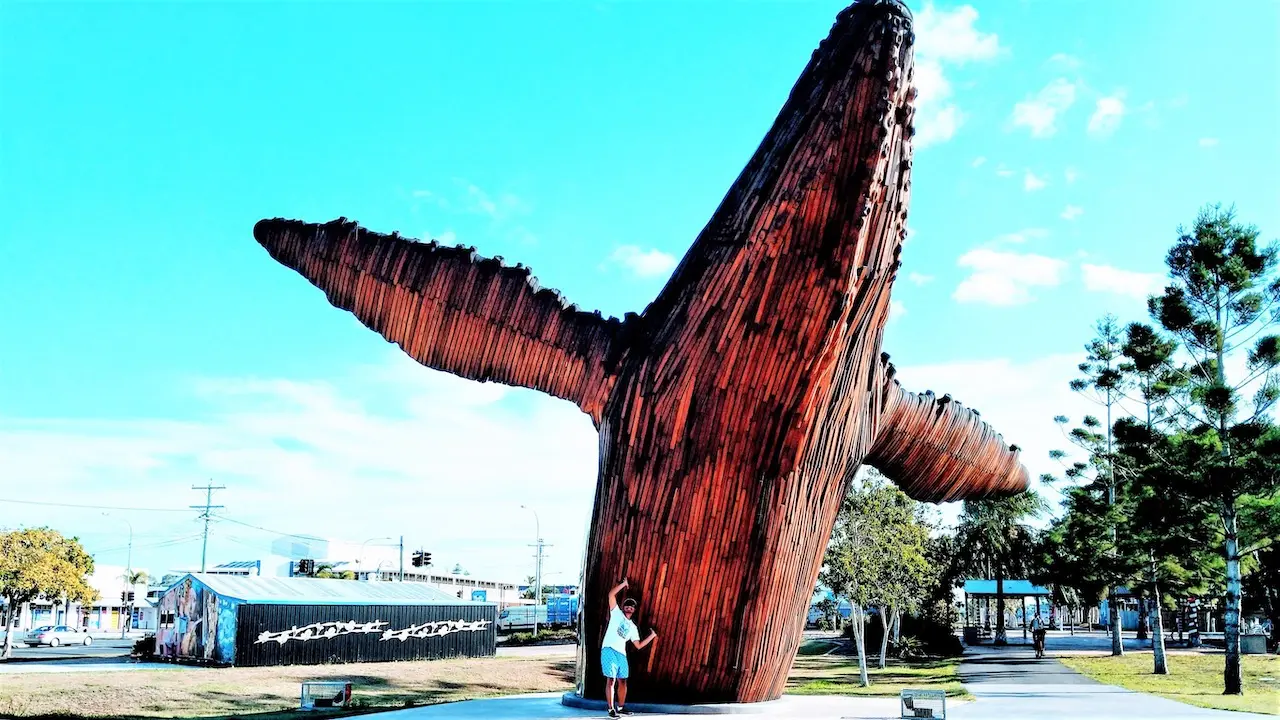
column 546, row 637
column 145, row 646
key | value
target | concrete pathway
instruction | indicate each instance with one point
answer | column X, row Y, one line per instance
column 548, row 707
column 1011, row 683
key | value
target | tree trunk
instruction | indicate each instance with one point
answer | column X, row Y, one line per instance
column 1002, row 638
column 1113, row 618
column 897, row 625
column 1231, row 615
column 1157, row 630
column 858, row 637
column 8, row 630
column 1142, row 617
column 884, row 640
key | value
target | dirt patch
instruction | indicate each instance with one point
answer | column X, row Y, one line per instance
column 213, row 693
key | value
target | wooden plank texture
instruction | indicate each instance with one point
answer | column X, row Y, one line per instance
column 735, row 409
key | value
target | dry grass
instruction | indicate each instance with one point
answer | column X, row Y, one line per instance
column 1194, row 678
column 271, row 692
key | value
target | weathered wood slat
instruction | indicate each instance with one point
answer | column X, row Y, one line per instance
column 735, row 410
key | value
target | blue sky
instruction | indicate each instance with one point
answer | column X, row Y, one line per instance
column 149, row 343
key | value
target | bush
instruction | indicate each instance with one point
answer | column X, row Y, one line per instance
column 927, row 637
column 145, row 646
column 546, row 637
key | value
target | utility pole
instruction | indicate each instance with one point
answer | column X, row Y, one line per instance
column 537, row 568
column 401, row 578
column 208, row 505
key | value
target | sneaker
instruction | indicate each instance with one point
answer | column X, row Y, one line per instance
column 613, row 713
column 624, row 711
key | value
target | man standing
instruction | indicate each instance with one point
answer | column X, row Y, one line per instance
column 613, row 651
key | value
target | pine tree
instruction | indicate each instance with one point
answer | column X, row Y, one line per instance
column 1221, row 305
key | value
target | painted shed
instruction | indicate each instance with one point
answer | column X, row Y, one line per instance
column 251, row 621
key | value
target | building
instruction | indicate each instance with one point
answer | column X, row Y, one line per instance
column 250, row 621
column 105, row 614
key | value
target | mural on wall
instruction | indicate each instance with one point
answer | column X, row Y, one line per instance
column 196, row 624
column 329, row 630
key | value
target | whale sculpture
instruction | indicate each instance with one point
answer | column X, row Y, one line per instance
column 735, row 409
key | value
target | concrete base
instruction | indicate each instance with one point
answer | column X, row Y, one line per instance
column 573, row 700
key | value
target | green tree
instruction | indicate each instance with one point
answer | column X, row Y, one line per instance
column 994, row 536
column 1221, row 305
column 1104, row 380
column 876, row 555
column 40, row 562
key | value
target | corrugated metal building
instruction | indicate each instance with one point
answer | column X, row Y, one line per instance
column 231, row 620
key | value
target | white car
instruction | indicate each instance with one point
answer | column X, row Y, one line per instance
column 55, row 635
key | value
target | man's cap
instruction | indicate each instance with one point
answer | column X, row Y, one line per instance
column 630, row 603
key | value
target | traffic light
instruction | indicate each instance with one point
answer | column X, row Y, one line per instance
column 421, row 559
column 426, row 559
column 306, row 566
column 130, row 596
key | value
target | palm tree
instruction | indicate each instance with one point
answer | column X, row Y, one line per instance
column 995, row 541
column 132, row 579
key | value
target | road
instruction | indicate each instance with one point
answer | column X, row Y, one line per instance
column 99, row 650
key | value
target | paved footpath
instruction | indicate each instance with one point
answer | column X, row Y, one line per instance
column 1011, row 683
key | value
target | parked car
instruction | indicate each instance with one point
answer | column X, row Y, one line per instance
column 55, row 635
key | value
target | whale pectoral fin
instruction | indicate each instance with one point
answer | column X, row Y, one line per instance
column 453, row 310
column 938, row 451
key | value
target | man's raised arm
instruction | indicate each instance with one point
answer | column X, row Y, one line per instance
column 613, row 594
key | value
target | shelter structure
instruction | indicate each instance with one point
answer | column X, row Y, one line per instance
column 980, row 600
column 736, row 408
column 248, row 621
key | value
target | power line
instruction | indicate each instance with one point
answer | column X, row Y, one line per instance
column 220, row 516
column 92, row 507
column 205, row 515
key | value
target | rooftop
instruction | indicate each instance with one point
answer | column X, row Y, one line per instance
column 317, row 591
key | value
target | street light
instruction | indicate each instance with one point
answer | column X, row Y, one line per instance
column 360, row 560
column 537, row 572
column 124, row 584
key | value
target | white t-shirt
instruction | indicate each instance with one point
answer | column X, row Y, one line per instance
column 620, row 631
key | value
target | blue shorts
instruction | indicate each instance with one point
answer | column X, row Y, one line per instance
column 614, row 664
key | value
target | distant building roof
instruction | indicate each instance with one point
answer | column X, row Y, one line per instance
column 239, row 565
column 1011, row 587
column 318, row 591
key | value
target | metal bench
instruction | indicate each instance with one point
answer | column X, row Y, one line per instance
column 924, row 704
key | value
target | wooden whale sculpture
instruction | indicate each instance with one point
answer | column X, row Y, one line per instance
column 735, row 409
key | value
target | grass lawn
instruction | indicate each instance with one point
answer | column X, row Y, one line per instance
column 838, row 675
column 1193, row 678
column 270, row 693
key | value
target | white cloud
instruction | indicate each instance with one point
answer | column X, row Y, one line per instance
column 896, row 310
column 1071, row 212
column 1005, row 278
column 944, row 37
column 919, row 279
column 936, row 125
column 1005, row 172
column 644, row 263
column 1207, row 142
column 1107, row 115
column 950, row 35
column 1063, row 61
column 1022, row 236
column 1031, row 182
column 502, row 207
column 385, row 449
column 978, row 161
column 1137, row 285
column 448, row 237
column 1040, row 112
column 1070, row 175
